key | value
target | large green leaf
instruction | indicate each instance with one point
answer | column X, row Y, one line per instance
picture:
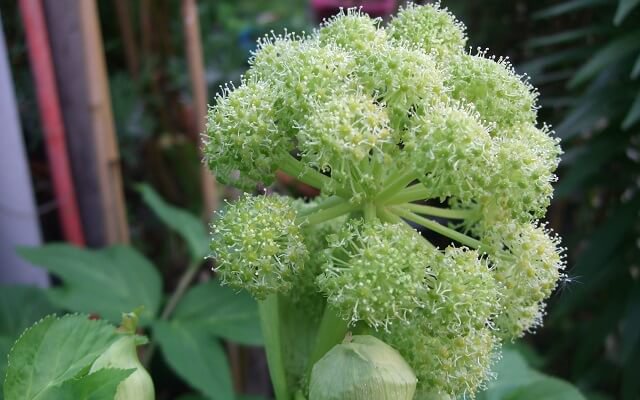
column 196, row 357
column 546, row 388
column 221, row 311
column 52, row 352
column 516, row 380
column 20, row 307
column 512, row 371
column 608, row 55
column 107, row 282
column 101, row 385
column 624, row 8
column 189, row 227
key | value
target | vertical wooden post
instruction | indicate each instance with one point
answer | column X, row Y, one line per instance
column 199, row 90
column 65, row 35
column 103, row 130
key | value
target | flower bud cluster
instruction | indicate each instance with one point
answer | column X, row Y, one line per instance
column 258, row 246
column 375, row 272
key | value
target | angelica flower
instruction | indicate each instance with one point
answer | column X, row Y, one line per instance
column 396, row 126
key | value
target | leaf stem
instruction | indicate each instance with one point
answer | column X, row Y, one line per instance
column 294, row 167
column 329, row 213
column 329, row 202
column 436, row 211
column 409, row 194
column 181, row 288
column 396, row 183
column 270, row 322
column 436, row 227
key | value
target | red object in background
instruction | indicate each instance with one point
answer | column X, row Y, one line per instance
column 375, row 8
column 37, row 36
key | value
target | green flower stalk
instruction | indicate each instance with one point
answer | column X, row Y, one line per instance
column 398, row 127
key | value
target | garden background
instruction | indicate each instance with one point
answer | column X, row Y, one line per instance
column 126, row 187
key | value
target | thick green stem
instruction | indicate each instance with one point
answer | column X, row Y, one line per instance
column 436, row 211
column 436, row 227
column 369, row 212
column 331, row 332
column 329, row 213
column 412, row 193
column 270, row 323
column 183, row 284
column 292, row 166
column 396, row 184
column 387, row 216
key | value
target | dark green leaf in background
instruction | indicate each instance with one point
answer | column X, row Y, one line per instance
column 196, row 357
column 546, row 388
column 624, row 8
column 516, row 380
column 221, row 311
column 189, row 227
column 633, row 115
column 566, row 7
column 107, row 282
column 606, row 56
column 52, row 352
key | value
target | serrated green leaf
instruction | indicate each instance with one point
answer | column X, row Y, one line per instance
column 188, row 226
column 633, row 115
column 107, row 282
column 610, row 54
column 196, row 357
column 52, row 352
column 547, row 388
column 624, row 8
column 565, row 7
column 221, row 311
column 101, row 385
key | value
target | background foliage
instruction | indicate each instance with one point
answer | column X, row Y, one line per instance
column 583, row 55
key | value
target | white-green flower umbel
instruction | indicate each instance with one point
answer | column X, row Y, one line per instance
column 394, row 125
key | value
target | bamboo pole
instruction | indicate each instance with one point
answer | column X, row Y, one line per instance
column 199, row 90
column 107, row 155
column 52, row 125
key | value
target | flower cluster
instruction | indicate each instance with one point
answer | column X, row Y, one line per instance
column 398, row 127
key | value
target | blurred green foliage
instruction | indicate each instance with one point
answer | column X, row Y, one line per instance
column 584, row 56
